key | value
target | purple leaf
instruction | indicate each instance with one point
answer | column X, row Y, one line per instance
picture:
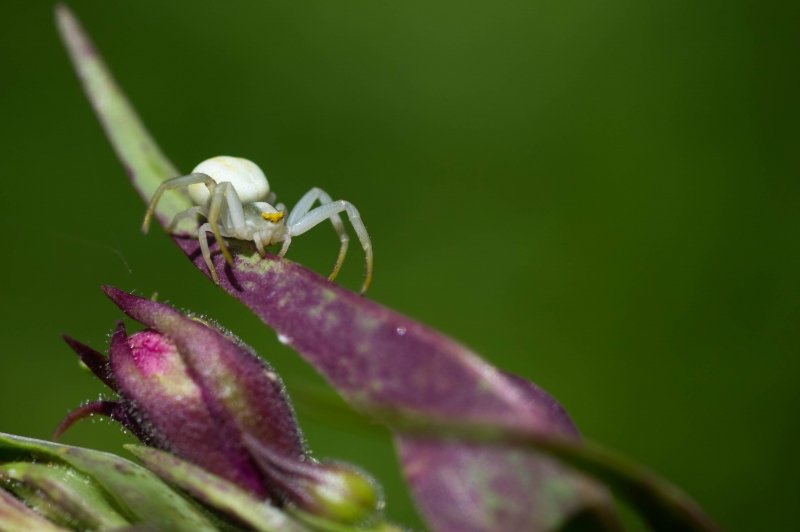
column 661, row 504
column 461, row 473
column 379, row 360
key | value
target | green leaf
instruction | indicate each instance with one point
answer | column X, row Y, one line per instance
column 215, row 491
column 63, row 494
column 137, row 492
column 143, row 160
column 16, row 517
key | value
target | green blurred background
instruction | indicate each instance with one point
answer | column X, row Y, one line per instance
column 601, row 197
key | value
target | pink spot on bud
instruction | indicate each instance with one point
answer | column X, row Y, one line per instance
column 153, row 352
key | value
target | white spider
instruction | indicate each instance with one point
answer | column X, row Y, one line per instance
column 234, row 196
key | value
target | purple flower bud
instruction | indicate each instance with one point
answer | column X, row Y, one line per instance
column 189, row 388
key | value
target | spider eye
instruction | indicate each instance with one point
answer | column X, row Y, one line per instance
column 272, row 216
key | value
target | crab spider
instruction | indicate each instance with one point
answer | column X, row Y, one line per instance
column 233, row 195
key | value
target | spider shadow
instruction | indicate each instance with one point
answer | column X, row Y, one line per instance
column 191, row 247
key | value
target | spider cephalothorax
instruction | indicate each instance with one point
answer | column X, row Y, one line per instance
column 233, row 195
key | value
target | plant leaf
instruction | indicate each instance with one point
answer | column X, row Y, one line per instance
column 143, row 160
column 382, row 361
column 137, row 491
column 216, row 491
column 663, row 506
column 16, row 517
column 63, row 490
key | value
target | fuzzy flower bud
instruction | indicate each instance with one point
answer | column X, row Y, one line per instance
column 191, row 389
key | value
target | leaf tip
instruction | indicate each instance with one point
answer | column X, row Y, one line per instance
column 66, row 21
column 62, row 11
column 79, row 45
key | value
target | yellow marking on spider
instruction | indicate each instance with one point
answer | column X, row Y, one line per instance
column 272, row 216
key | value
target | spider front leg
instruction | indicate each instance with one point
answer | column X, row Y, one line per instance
column 188, row 213
column 235, row 216
column 204, row 229
column 169, row 184
column 324, row 212
column 301, row 209
column 259, row 245
column 287, row 241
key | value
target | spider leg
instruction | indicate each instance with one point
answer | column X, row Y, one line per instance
column 205, row 228
column 287, row 239
column 259, row 245
column 301, row 209
column 324, row 212
column 235, row 213
column 214, row 210
column 169, row 184
column 185, row 214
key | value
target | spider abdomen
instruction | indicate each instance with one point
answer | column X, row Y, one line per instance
column 246, row 177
